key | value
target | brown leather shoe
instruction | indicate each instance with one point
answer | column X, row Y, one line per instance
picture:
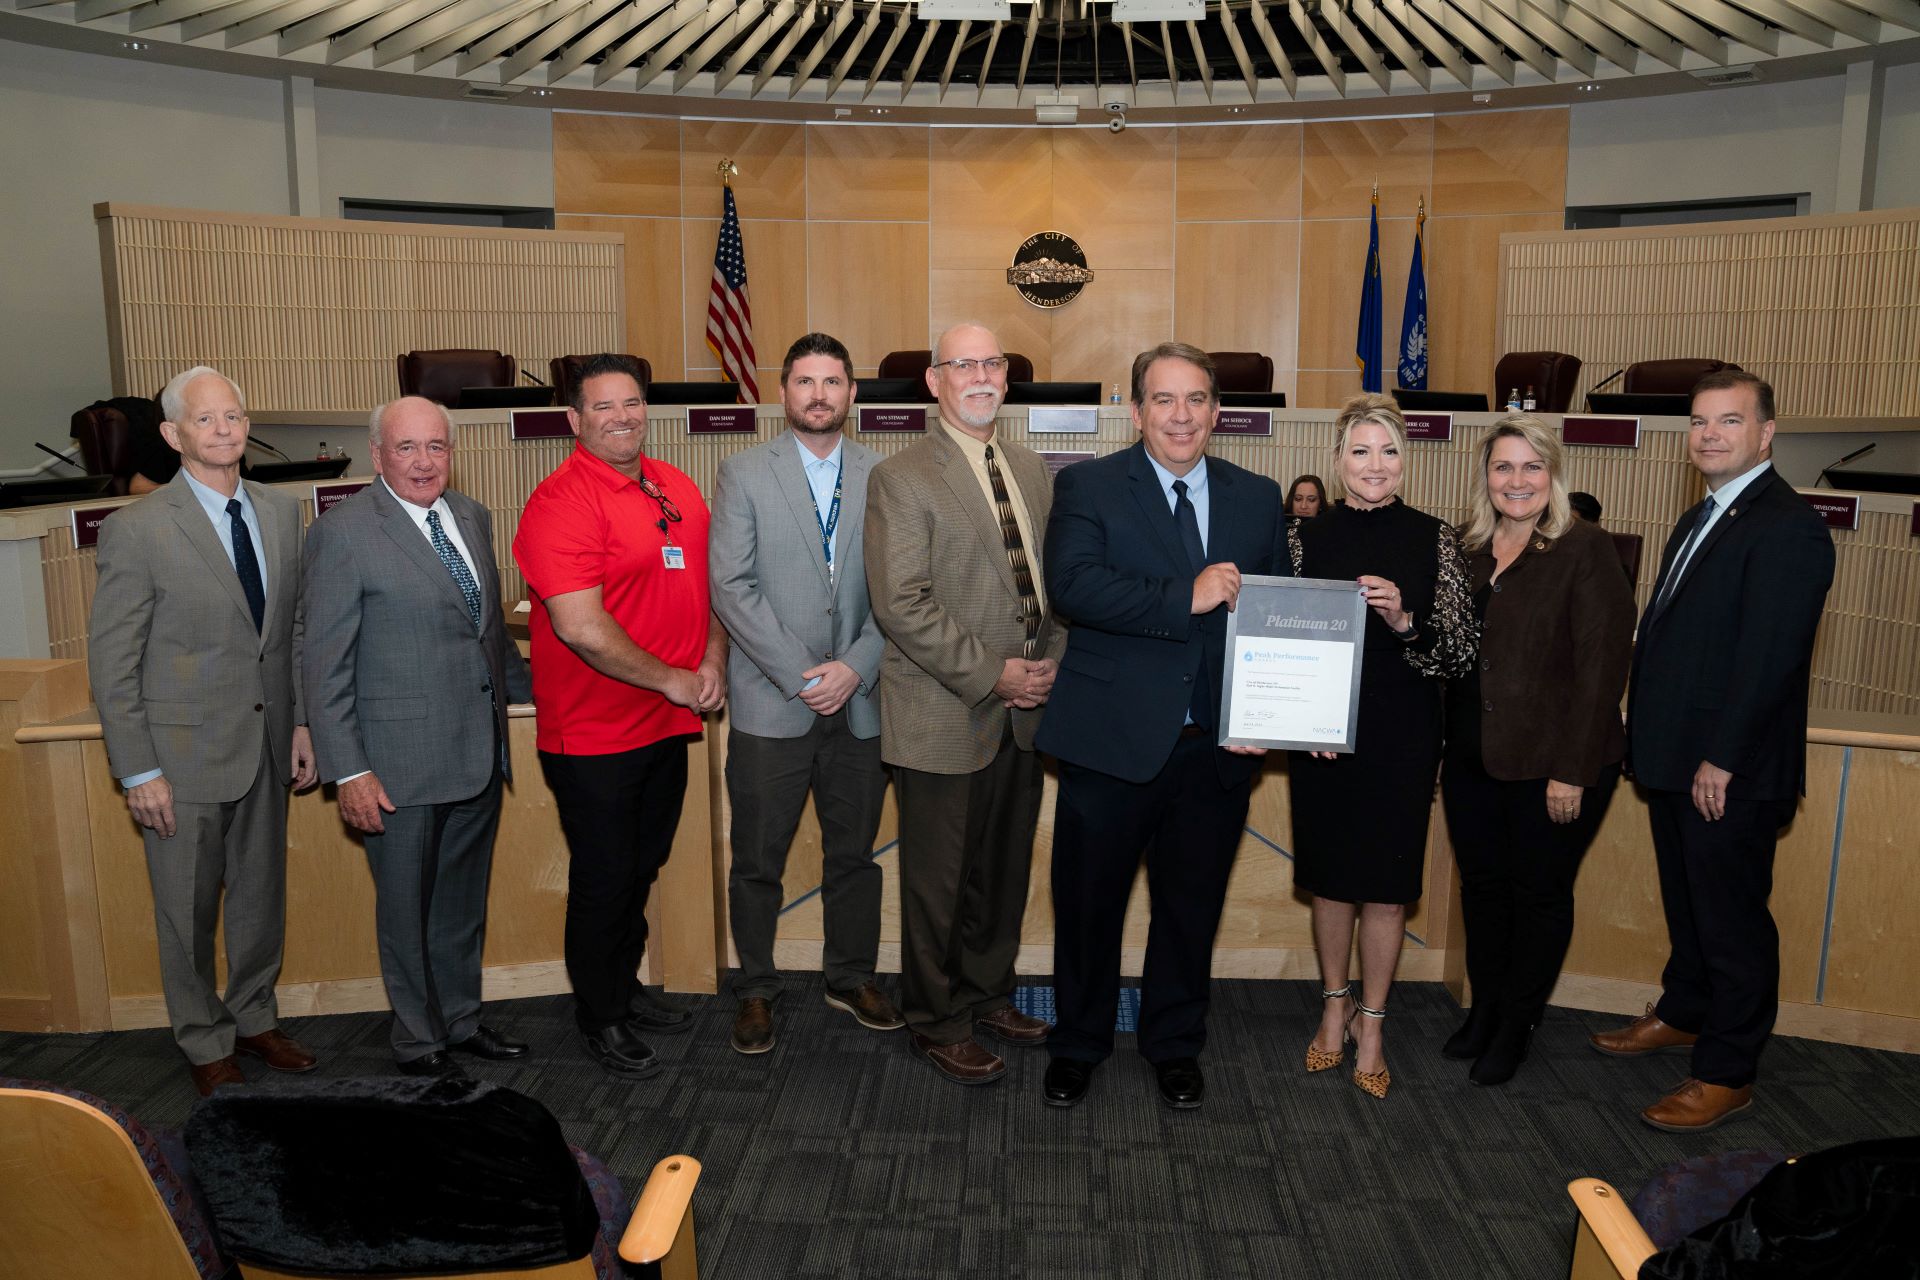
column 208, row 1076
column 1696, row 1106
column 278, row 1050
column 869, row 1008
column 1645, row 1034
column 963, row 1063
column 753, row 1026
column 1015, row 1027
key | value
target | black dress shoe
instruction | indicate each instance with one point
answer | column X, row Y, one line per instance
column 1067, row 1081
column 1182, row 1087
column 1504, row 1056
column 1475, row 1034
column 487, row 1043
column 655, row 1013
column 622, row 1053
column 437, row 1063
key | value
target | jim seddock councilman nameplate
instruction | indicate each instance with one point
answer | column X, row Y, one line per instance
column 1293, row 665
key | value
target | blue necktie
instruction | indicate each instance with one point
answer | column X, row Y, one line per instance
column 247, row 565
column 1701, row 514
column 462, row 576
column 1200, row 706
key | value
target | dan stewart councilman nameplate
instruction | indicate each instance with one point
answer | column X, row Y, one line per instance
column 1293, row 665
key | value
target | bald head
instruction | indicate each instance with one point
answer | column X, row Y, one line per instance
column 412, row 444
column 968, row 389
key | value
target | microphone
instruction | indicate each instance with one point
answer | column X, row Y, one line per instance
column 1857, row 453
column 256, row 440
column 1607, row 381
column 63, row 457
column 538, row 382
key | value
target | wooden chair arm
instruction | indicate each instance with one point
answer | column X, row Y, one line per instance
column 1610, row 1240
column 666, row 1203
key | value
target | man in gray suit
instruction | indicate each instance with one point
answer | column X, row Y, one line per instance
column 790, row 584
column 408, row 672
column 191, row 650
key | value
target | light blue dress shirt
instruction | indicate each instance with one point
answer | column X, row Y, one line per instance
column 1723, row 497
column 1196, row 491
column 821, row 474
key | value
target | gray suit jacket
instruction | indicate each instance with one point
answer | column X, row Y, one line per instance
column 396, row 678
column 944, row 595
column 774, row 595
column 182, row 681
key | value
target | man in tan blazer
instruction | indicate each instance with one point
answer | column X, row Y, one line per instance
column 953, row 541
column 194, row 640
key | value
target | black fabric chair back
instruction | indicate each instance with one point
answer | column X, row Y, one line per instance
column 1669, row 377
column 1242, row 370
column 564, row 371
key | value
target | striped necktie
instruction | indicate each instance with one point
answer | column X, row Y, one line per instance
column 1016, row 554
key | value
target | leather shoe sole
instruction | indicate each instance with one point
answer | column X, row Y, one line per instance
column 437, row 1063
column 1067, row 1081
column 1182, row 1087
column 1695, row 1107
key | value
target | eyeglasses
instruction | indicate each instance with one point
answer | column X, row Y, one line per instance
column 967, row 368
column 668, row 512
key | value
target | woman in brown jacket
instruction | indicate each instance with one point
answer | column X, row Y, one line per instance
column 1534, row 740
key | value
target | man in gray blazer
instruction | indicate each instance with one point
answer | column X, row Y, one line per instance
column 790, row 585
column 408, row 672
column 192, row 646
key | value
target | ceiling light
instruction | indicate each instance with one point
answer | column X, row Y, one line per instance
column 541, row 93
column 1159, row 10
column 1591, row 86
column 978, row 10
column 135, row 46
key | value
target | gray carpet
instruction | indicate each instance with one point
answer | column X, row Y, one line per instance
column 840, row 1155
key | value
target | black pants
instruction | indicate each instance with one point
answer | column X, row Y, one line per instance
column 619, row 813
column 1517, row 869
column 1722, row 979
column 1189, row 827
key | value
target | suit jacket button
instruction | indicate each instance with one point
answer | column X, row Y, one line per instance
column 1486, row 664
column 487, row 688
column 259, row 706
column 1186, row 679
column 1487, row 705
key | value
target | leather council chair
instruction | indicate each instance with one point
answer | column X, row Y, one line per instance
column 1669, row 377
column 914, row 365
column 105, row 438
column 1628, row 547
column 1242, row 370
column 1551, row 374
column 563, row 371
column 441, row 376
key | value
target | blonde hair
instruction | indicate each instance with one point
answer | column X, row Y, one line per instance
column 1482, row 519
column 1368, row 406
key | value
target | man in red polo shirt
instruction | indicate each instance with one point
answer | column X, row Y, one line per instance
column 626, row 657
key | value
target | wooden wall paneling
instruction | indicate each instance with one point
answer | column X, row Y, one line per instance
column 867, row 286
column 1462, row 259
column 616, row 165
column 654, row 281
column 330, row 899
column 1330, row 293
column 1500, row 162
column 1113, row 193
column 992, row 188
column 776, row 287
column 1877, row 897
column 866, row 172
column 983, row 296
column 773, row 169
column 1097, row 335
column 1236, row 287
column 1324, row 388
column 1342, row 159
column 1802, row 867
column 129, row 946
column 1619, row 930
column 1238, row 173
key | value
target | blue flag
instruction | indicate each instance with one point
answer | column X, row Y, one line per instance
column 1413, row 319
column 1366, row 344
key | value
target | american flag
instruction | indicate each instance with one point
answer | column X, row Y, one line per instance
column 729, row 317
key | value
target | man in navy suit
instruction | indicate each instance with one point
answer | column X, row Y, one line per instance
column 1144, row 554
column 1717, row 734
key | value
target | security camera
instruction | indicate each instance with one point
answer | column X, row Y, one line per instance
column 1117, row 124
column 1116, row 108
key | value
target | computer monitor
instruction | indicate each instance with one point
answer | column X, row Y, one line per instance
column 52, row 490
column 1640, row 404
column 894, row 391
column 1253, row 399
column 1873, row 481
column 1456, row 401
column 505, row 397
column 678, row 393
column 1053, row 393
column 304, row 469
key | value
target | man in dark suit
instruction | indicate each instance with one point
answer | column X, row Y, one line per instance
column 407, row 674
column 1144, row 555
column 192, row 652
column 1716, row 734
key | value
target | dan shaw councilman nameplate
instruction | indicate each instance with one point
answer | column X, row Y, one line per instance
column 1293, row 665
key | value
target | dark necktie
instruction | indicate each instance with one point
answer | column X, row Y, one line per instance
column 247, row 565
column 1701, row 514
column 1189, row 522
column 462, row 575
column 1016, row 554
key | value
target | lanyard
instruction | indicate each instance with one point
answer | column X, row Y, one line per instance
column 832, row 522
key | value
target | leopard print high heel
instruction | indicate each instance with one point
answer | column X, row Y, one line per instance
column 1324, row 1059
column 1373, row 1082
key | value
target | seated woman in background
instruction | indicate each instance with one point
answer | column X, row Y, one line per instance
column 1360, row 820
column 1306, row 498
column 1534, row 741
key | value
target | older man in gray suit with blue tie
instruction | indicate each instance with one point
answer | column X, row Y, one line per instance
column 408, row 672
column 790, row 585
column 192, row 650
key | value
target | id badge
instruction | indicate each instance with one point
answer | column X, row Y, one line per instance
column 674, row 557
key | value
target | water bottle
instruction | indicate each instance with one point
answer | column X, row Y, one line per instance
column 323, row 455
column 1115, row 397
column 1513, row 400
